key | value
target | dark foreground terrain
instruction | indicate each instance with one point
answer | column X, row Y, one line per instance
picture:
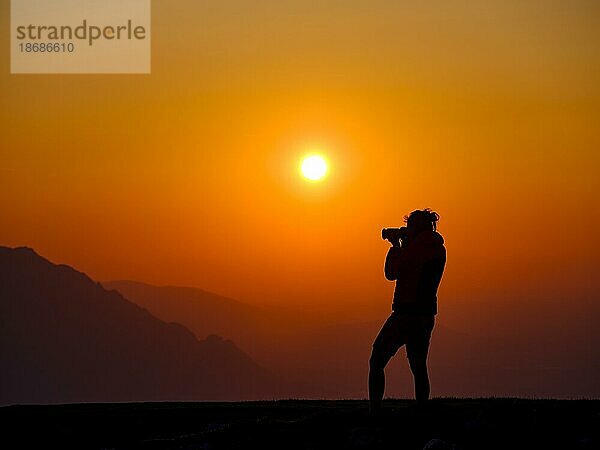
column 464, row 424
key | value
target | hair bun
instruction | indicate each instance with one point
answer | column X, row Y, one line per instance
column 433, row 216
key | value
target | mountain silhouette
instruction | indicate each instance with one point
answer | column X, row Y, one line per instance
column 204, row 312
column 65, row 338
column 314, row 356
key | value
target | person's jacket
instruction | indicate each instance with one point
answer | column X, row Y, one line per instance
column 417, row 268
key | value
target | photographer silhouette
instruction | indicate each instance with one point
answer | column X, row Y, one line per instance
column 416, row 262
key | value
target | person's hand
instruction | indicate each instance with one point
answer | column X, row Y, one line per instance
column 395, row 242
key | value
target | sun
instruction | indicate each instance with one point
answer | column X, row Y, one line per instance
column 314, row 167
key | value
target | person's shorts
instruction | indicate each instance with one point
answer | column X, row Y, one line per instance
column 414, row 331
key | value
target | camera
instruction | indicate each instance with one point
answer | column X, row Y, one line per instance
column 394, row 234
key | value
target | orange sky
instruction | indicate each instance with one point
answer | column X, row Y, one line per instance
column 487, row 112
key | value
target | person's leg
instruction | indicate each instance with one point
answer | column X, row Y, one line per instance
column 386, row 344
column 418, row 366
column 377, row 365
column 417, row 348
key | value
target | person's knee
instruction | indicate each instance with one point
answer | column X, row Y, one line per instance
column 377, row 360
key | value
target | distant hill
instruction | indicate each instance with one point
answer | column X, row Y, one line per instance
column 65, row 338
column 318, row 358
column 204, row 313
column 330, row 360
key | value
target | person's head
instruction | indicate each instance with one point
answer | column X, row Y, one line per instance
column 421, row 220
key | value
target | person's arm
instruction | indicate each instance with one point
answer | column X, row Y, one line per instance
column 399, row 258
column 391, row 268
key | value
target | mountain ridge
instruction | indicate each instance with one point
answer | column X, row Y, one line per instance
column 65, row 338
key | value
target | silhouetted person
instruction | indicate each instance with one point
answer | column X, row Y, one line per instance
column 416, row 262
